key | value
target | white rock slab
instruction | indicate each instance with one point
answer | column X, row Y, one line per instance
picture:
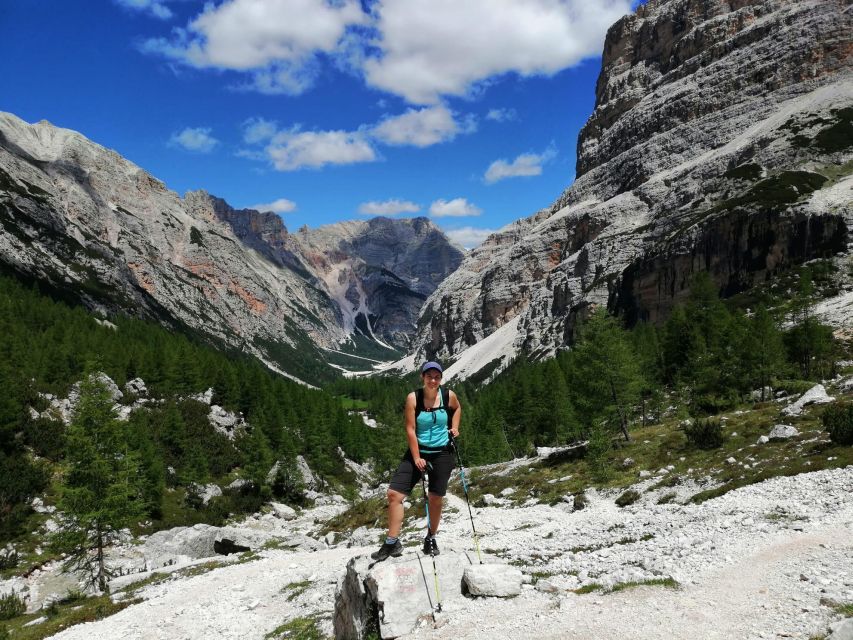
column 783, row 432
column 496, row 580
column 816, row 395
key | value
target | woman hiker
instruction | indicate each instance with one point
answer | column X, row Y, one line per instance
column 431, row 414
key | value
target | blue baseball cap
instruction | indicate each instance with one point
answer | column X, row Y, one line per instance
column 431, row 365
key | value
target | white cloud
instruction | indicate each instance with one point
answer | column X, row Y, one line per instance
column 295, row 149
column 422, row 127
column 388, row 207
column 276, row 40
column 527, row 164
column 198, row 140
column 257, row 130
column 292, row 150
column 456, row 208
column 282, row 205
column 418, row 49
column 502, row 115
column 156, row 9
column 430, row 48
column 469, row 237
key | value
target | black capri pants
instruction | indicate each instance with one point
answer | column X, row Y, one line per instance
column 408, row 475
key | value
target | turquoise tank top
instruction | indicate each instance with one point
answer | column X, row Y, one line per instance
column 431, row 426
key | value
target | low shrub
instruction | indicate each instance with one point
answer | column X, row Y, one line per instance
column 705, row 433
column 11, row 606
column 629, row 497
column 9, row 558
column 838, row 421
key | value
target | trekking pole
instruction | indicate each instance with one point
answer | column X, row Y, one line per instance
column 434, row 568
column 467, row 500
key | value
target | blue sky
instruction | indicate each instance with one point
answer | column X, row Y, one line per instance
column 466, row 111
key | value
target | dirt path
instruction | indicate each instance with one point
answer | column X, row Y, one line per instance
column 754, row 597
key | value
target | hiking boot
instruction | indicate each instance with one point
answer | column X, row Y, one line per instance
column 430, row 546
column 395, row 550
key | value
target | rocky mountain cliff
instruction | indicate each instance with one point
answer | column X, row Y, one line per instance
column 721, row 141
column 81, row 220
column 378, row 271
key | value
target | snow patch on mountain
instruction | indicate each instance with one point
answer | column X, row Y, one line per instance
column 500, row 345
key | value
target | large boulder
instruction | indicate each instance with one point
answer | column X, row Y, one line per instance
column 394, row 596
column 184, row 544
column 783, row 432
column 136, row 387
column 816, row 395
column 283, row 511
column 204, row 492
column 309, row 480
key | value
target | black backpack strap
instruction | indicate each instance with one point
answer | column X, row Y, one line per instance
column 445, row 400
column 419, row 401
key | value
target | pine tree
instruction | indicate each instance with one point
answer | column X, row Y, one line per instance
column 763, row 351
column 810, row 343
column 101, row 492
column 606, row 378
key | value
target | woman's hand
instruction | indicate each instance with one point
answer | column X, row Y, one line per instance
column 454, row 431
column 420, row 463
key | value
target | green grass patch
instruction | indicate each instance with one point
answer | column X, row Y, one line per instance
column 845, row 610
column 297, row 629
column 366, row 513
column 669, row 583
column 589, row 588
column 536, row 576
column 353, row 404
column 295, row 589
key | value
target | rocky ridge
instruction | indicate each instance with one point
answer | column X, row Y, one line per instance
column 720, row 142
column 79, row 219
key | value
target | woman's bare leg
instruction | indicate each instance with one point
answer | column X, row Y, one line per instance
column 435, row 504
column 395, row 512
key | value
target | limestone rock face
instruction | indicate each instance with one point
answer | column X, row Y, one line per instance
column 720, row 142
column 79, row 218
